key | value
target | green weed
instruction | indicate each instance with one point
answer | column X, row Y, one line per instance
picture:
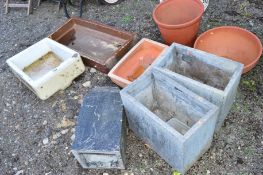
column 243, row 9
column 127, row 19
column 175, row 173
column 250, row 85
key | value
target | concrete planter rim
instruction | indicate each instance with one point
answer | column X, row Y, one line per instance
column 219, row 91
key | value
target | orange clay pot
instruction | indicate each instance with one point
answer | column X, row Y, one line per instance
column 136, row 61
column 179, row 20
column 232, row 42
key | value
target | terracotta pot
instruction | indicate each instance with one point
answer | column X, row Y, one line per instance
column 232, row 42
column 135, row 62
column 179, row 20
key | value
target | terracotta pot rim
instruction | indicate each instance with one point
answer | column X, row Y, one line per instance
column 240, row 29
column 177, row 25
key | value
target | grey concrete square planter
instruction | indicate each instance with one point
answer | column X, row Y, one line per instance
column 101, row 130
column 175, row 122
column 212, row 77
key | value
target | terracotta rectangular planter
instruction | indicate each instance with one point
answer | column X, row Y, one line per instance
column 46, row 67
column 136, row 61
column 99, row 45
column 212, row 77
column 175, row 122
column 101, row 130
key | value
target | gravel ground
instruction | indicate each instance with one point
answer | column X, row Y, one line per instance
column 27, row 122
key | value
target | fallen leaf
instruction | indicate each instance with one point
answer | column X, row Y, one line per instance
column 63, row 106
column 65, row 123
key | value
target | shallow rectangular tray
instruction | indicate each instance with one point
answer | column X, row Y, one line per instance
column 99, row 45
column 136, row 61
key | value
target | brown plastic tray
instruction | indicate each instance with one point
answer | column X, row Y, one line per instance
column 100, row 46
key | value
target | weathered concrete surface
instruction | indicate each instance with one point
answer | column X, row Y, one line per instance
column 212, row 77
column 155, row 95
column 101, row 130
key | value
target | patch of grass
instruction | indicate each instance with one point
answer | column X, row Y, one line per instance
column 241, row 107
column 236, row 107
column 258, row 114
column 175, row 173
column 127, row 19
column 245, row 108
column 142, row 167
column 248, row 151
column 243, row 9
column 214, row 22
column 250, row 85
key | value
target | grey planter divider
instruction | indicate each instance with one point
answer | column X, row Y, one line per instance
column 101, row 130
column 175, row 122
column 212, row 77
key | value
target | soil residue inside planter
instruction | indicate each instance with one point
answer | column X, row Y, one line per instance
column 43, row 65
column 173, row 117
column 138, row 71
column 200, row 71
column 161, row 113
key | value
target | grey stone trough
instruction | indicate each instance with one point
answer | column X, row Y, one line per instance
column 212, row 77
column 101, row 130
column 175, row 122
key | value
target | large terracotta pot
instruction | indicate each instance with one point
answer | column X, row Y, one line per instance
column 232, row 42
column 179, row 20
